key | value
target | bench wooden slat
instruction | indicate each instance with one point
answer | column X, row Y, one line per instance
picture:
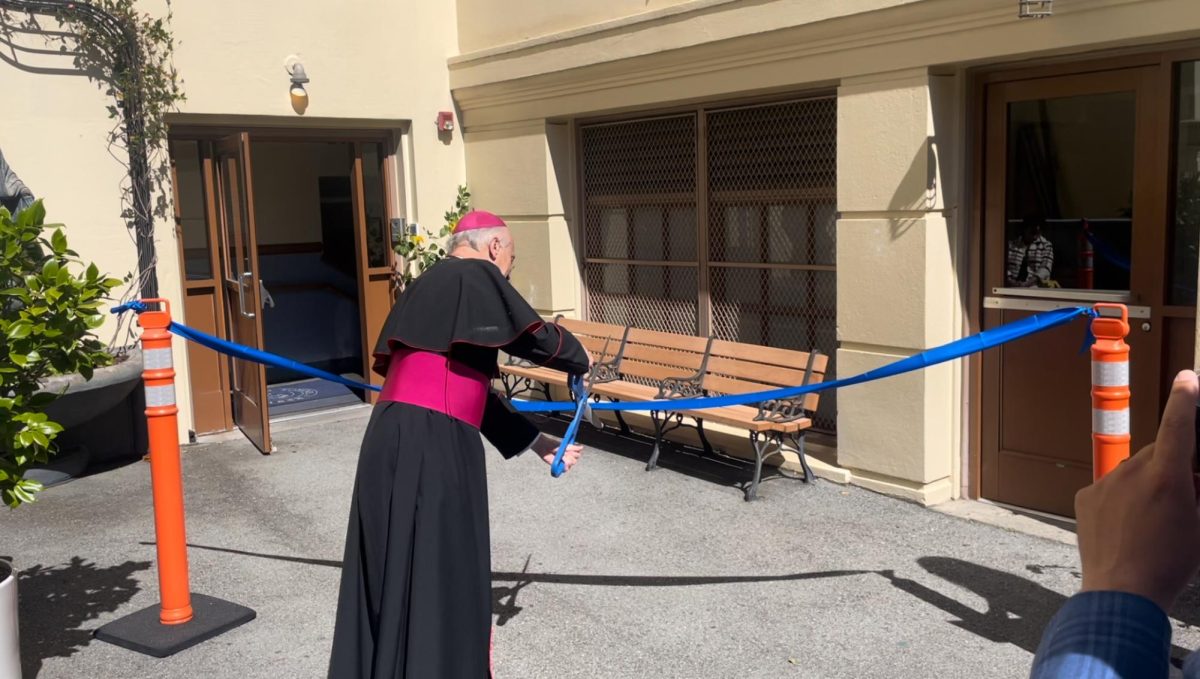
column 768, row 355
column 600, row 345
column 651, row 371
column 666, row 339
column 724, row 385
column 743, row 416
column 536, row 373
column 758, row 372
column 625, row 391
column 684, row 362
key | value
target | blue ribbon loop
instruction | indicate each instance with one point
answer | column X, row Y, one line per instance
column 557, row 468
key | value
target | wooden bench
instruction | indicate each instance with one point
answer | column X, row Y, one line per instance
column 652, row 365
column 738, row 368
column 602, row 340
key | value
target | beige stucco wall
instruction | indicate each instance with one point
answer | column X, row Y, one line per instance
column 899, row 69
column 371, row 64
column 485, row 23
column 896, row 285
column 718, row 50
column 538, row 156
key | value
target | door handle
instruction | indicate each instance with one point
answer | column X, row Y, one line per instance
column 242, row 287
column 267, row 299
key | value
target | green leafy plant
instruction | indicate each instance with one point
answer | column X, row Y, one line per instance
column 51, row 303
column 419, row 251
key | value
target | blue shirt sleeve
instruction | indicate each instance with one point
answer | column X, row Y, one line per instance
column 1105, row 635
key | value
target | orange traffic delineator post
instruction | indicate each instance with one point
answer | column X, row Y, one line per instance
column 1110, row 390
column 182, row 619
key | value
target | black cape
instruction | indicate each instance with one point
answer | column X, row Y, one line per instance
column 415, row 598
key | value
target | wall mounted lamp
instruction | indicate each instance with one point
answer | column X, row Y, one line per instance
column 297, row 93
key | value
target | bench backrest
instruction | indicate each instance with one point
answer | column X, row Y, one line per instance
column 602, row 340
column 650, row 356
column 736, row 368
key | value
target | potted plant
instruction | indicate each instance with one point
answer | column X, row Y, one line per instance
column 51, row 304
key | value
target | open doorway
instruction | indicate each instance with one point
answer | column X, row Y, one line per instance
column 285, row 244
column 308, row 274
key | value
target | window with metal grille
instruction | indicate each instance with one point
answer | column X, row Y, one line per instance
column 717, row 221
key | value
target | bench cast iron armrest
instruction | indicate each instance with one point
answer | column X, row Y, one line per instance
column 689, row 386
column 788, row 409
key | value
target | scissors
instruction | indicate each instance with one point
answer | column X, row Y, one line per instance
column 580, row 389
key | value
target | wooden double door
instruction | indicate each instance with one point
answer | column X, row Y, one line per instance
column 1084, row 200
column 226, row 297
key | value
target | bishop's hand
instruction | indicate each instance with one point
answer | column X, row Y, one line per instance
column 546, row 448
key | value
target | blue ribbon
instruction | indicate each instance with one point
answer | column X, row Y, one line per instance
column 557, row 468
column 247, row 353
column 966, row 346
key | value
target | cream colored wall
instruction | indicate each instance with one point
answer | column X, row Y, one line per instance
column 371, row 64
column 365, row 72
column 486, row 23
column 54, row 138
column 534, row 206
column 735, row 48
column 899, row 71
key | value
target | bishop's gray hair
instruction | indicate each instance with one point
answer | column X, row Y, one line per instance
column 476, row 239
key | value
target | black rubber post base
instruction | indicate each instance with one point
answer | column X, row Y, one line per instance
column 142, row 632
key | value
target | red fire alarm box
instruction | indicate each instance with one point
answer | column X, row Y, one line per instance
column 445, row 121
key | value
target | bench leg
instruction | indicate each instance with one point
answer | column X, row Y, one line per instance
column 708, row 449
column 509, row 387
column 659, row 424
column 625, row 430
column 809, row 476
column 761, row 444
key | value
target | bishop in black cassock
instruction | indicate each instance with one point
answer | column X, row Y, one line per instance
column 415, row 598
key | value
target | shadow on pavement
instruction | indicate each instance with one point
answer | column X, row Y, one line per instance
column 718, row 469
column 56, row 603
column 504, row 597
column 1018, row 609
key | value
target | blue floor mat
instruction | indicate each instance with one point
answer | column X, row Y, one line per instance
column 305, row 395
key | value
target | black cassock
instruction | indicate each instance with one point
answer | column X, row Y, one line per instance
column 415, row 597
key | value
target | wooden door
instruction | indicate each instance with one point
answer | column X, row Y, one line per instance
column 193, row 183
column 1082, row 155
column 372, row 246
column 243, row 299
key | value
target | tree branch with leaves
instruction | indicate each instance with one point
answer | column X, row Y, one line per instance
column 416, row 252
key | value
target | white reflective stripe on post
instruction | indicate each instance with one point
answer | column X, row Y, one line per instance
column 156, row 359
column 1110, row 422
column 156, row 397
column 1110, row 373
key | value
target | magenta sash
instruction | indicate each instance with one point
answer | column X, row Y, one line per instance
column 434, row 381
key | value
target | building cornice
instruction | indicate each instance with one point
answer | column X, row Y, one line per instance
column 611, row 57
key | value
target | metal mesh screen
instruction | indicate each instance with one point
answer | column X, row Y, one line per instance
column 652, row 297
column 639, row 187
column 772, row 240
column 768, row 225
